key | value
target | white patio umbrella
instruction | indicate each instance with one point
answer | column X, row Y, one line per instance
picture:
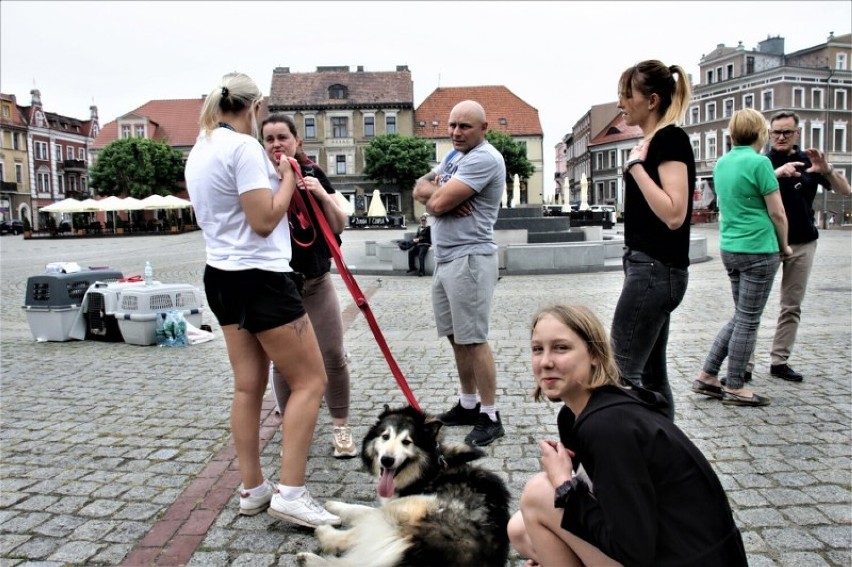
column 68, row 205
column 154, row 202
column 176, row 202
column 114, row 204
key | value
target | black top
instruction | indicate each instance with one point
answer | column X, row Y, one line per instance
column 424, row 233
column 797, row 194
column 656, row 500
column 643, row 230
column 314, row 259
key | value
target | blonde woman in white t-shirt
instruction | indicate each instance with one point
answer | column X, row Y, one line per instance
column 255, row 295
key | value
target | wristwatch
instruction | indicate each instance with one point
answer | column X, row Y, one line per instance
column 631, row 163
column 564, row 491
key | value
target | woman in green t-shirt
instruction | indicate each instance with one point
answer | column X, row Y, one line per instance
column 752, row 232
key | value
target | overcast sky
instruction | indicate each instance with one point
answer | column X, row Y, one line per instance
column 559, row 57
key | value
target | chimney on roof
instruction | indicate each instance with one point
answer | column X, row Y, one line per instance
column 333, row 69
column 281, row 70
column 772, row 45
column 400, row 68
column 360, row 68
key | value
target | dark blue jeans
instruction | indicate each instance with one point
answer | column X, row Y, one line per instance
column 640, row 324
column 418, row 251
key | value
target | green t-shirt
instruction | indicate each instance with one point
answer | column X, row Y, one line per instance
column 742, row 177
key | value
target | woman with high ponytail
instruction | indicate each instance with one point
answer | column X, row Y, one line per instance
column 241, row 204
column 659, row 181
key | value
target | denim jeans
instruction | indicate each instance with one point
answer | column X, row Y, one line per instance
column 640, row 324
column 751, row 278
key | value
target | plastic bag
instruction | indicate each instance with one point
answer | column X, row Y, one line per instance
column 174, row 330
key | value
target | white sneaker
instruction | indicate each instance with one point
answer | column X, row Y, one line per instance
column 344, row 447
column 304, row 511
column 251, row 505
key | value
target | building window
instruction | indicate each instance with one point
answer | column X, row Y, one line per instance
column 337, row 92
column 710, row 76
column 730, row 71
column 728, row 144
column 710, row 142
column 624, row 155
column 60, row 182
column 748, row 101
column 140, row 130
column 341, row 165
column 369, row 126
column 817, row 137
column 749, row 65
column 2, row 171
column 767, row 100
column 125, row 131
column 696, row 148
column 729, row 107
column 816, row 99
column 696, row 115
column 19, row 173
column 314, row 158
column 390, row 124
column 798, row 97
column 81, row 154
column 72, row 184
column 339, row 127
column 310, row 128
column 718, row 74
column 710, row 111
column 841, row 62
column 612, row 156
column 43, row 181
column 839, row 139
column 57, row 152
column 610, row 195
column 840, row 99
column 7, row 111
column 16, row 140
column 434, row 152
column 599, row 160
column 69, row 152
column 40, row 150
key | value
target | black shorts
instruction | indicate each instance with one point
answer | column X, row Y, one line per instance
column 256, row 300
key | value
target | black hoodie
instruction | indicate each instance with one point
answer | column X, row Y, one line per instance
column 656, row 500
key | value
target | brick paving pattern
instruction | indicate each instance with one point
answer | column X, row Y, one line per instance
column 116, row 454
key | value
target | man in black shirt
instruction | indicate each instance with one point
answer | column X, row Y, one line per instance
column 799, row 172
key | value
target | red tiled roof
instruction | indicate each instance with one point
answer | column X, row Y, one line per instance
column 174, row 120
column 16, row 118
column 616, row 131
column 499, row 103
column 294, row 91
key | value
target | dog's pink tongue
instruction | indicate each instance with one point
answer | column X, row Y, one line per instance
column 385, row 488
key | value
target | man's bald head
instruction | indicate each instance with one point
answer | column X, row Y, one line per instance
column 467, row 125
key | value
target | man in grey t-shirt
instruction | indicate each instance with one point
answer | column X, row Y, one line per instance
column 464, row 193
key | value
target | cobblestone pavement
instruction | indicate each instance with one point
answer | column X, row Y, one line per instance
column 120, row 454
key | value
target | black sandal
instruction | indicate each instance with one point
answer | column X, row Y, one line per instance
column 705, row 389
column 732, row 399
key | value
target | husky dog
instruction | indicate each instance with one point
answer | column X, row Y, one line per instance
column 437, row 510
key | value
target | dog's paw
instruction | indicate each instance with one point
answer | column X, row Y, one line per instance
column 306, row 559
column 334, row 506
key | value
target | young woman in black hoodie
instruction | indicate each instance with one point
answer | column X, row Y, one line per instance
column 623, row 485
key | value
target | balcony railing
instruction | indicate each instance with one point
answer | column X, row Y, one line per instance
column 8, row 187
column 75, row 164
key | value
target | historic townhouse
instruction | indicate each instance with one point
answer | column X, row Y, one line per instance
column 14, row 162
column 576, row 152
column 609, row 150
column 58, row 148
column 338, row 112
column 816, row 83
column 506, row 113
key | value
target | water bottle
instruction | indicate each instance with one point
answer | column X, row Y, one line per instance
column 148, row 274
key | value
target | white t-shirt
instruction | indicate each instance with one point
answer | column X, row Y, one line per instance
column 219, row 169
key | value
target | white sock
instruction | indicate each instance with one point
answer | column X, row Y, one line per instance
column 491, row 411
column 257, row 490
column 468, row 401
column 291, row 492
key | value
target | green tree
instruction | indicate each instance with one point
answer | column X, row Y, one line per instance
column 514, row 154
column 138, row 167
column 397, row 160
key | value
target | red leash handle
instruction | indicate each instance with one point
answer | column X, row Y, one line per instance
column 352, row 285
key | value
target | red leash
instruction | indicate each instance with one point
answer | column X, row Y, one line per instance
column 351, row 284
